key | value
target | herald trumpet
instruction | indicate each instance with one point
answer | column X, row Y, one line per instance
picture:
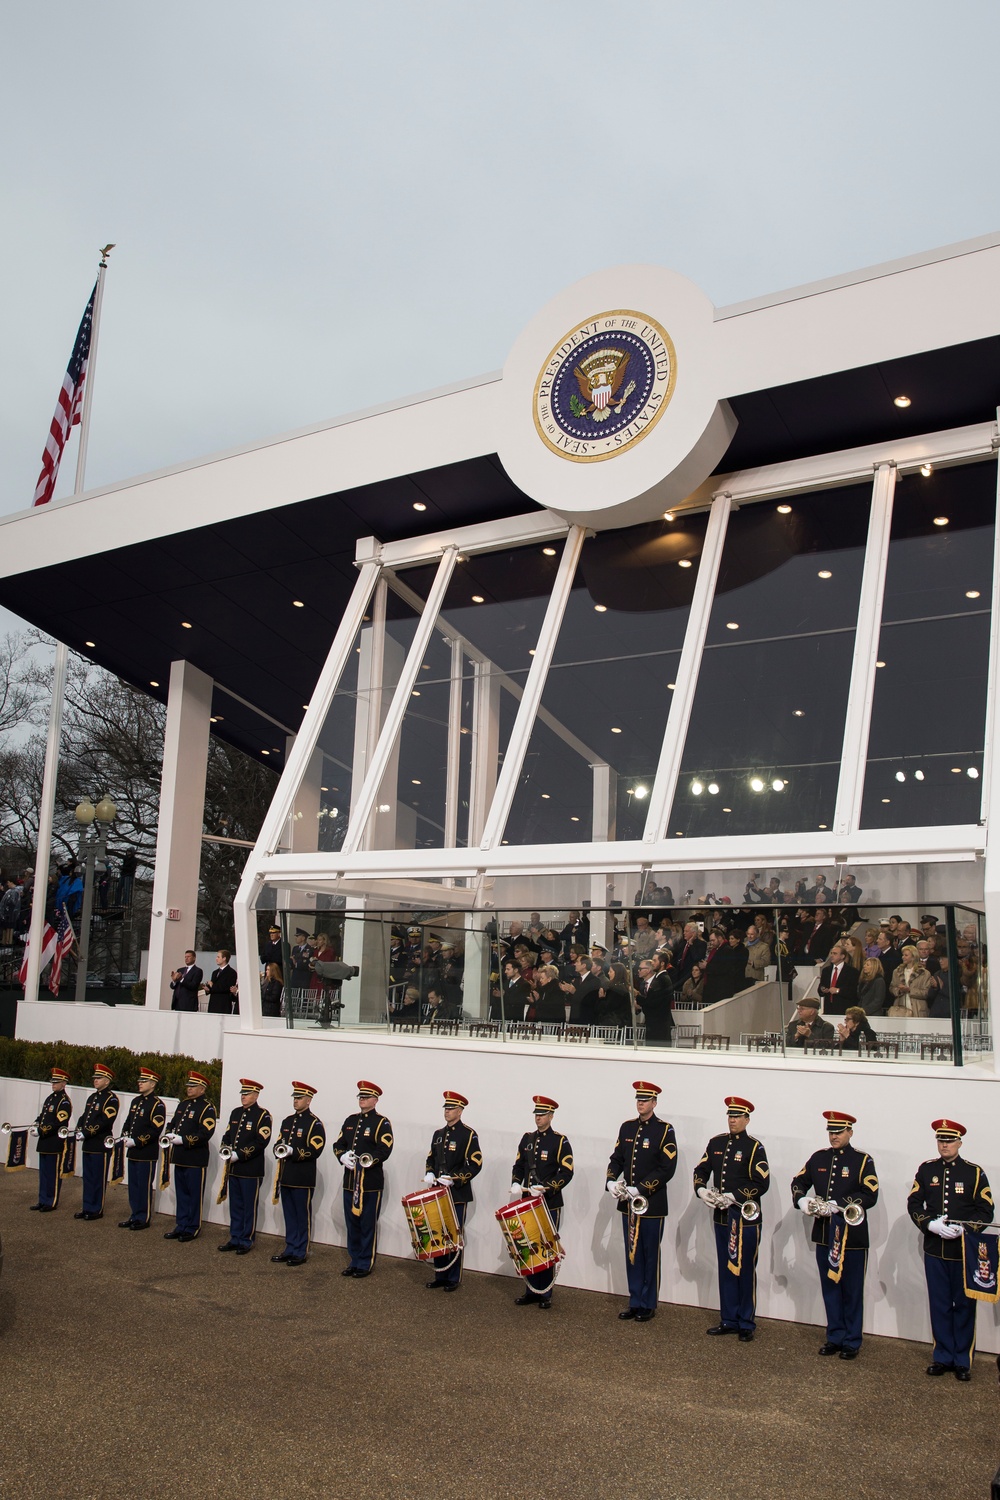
column 282, row 1150
column 823, row 1208
column 750, row 1210
column 65, row 1131
column 8, row 1129
column 227, row 1153
column 366, row 1160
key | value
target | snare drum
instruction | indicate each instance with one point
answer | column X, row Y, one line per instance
column 433, row 1223
column 530, row 1236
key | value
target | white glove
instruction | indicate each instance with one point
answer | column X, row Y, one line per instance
column 348, row 1160
column 446, row 1181
column 703, row 1194
column 537, row 1190
column 952, row 1231
column 941, row 1227
column 632, row 1192
column 831, row 1207
column 804, row 1206
column 32, row 1129
column 128, row 1140
column 516, row 1190
column 430, row 1179
column 611, row 1186
column 727, row 1200
column 174, row 1138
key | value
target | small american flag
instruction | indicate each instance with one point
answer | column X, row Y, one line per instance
column 65, row 937
column 48, row 949
column 68, row 406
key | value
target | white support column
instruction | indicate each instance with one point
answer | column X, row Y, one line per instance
column 180, row 826
column 454, row 748
column 857, row 720
column 991, row 776
column 485, row 747
column 604, row 831
column 533, row 687
column 669, row 768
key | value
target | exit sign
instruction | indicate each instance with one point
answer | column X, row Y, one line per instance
column 173, row 913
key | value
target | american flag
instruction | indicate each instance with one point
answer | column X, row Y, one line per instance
column 56, row 943
column 68, row 406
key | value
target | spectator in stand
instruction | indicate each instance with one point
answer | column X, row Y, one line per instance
column 654, row 995
column 186, row 983
column 692, row 951
column 69, row 891
column 694, row 986
column 855, row 952
column 940, row 1003
column 849, row 892
column 807, row 1025
column 853, row 1027
column 270, row 990
column 871, row 946
column 838, row 982
column 617, row 1007
column 927, row 955
column 819, row 938
column 548, row 999
column 644, row 938
column 912, row 988
column 439, row 1007
column 871, row 988
column 888, row 957
column 221, row 1000
column 930, row 928
column 820, row 894
column 411, row 1008
column 726, row 972
column 10, row 911
column 270, row 951
column 904, row 935
column 758, row 955
column 577, row 930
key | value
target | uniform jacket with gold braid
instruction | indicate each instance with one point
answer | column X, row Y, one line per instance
column 455, row 1153
column 194, row 1121
column 248, row 1133
column 957, row 1189
column 646, row 1152
column 848, row 1176
column 55, row 1114
column 544, row 1156
column 366, row 1135
column 305, row 1134
column 97, row 1120
column 733, row 1163
column 146, row 1118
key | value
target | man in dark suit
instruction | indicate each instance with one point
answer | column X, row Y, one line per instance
column 690, row 952
column 819, row 938
column 838, row 983
column 654, row 995
column 888, row 956
column 221, row 1000
column 185, row 983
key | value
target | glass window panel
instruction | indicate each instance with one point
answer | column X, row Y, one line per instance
column 609, row 689
column 925, row 746
column 764, row 744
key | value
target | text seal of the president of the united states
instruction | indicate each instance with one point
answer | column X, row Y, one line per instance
column 604, row 386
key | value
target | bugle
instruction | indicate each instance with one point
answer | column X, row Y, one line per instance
column 227, row 1153
column 636, row 1202
column 824, row 1208
column 8, row 1129
column 365, row 1161
column 282, row 1150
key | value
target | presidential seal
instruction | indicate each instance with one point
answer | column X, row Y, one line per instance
column 604, row 386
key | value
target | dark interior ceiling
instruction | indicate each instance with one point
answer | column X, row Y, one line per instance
column 234, row 582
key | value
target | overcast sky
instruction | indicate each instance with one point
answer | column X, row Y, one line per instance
column 321, row 206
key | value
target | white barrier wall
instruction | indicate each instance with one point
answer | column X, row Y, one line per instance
column 21, row 1100
column 190, row 1033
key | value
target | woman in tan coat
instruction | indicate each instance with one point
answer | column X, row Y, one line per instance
column 912, row 986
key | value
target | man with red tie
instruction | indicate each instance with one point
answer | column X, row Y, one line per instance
column 838, row 983
column 691, row 952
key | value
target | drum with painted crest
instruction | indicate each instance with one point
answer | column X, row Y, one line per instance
column 530, row 1235
column 433, row 1222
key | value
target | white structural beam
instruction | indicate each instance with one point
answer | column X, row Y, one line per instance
column 485, row 747
column 991, row 788
column 857, row 720
column 178, row 833
column 454, row 748
column 482, row 536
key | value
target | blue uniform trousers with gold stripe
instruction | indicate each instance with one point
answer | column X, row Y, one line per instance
column 189, row 1187
column 243, row 1193
column 296, row 1205
column 540, row 1283
column 362, row 1230
column 953, row 1314
column 140, row 1190
column 49, row 1178
column 844, row 1299
column 452, row 1275
column 738, row 1294
column 96, row 1165
column 644, row 1269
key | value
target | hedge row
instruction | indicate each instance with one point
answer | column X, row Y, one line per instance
column 20, row 1059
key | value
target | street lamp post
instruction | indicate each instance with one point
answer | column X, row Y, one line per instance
column 95, row 825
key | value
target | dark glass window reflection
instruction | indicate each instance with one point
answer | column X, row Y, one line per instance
column 764, row 744
column 925, row 746
column 610, row 685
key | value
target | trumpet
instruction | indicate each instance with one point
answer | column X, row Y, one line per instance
column 823, row 1208
column 749, row 1208
column 637, row 1204
column 111, row 1141
column 8, row 1129
column 65, row 1131
column 282, row 1150
column 227, row 1153
column 365, row 1161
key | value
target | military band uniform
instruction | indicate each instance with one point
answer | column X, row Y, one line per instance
column 144, row 1125
column 954, row 1190
column 305, row 1133
column 97, row 1122
column 194, row 1120
column 645, row 1155
column 545, row 1158
column 247, row 1135
column 365, row 1134
column 737, row 1164
column 55, row 1115
column 455, row 1153
column 848, row 1176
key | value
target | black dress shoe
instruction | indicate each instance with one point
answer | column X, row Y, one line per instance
column 849, row 1353
column 963, row 1374
column 452, row 1286
column 34, row 1207
column 295, row 1260
column 720, row 1328
column 627, row 1313
column 243, row 1249
column 279, row 1260
column 184, row 1237
column 645, row 1316
column 746, row 1335
column 124, row 1223
column 360, row 1275
column 45, row 1208
column 147, row 1225
column 88, row 1216
column 434, row 1286
column 348, row 1272
column 172, row 1234
column 545, row 1303
column 224, row 1249
column 829, row 1349
column 525, row 1301
column 938, row 1369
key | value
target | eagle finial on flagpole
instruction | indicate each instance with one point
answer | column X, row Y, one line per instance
column 105, row 252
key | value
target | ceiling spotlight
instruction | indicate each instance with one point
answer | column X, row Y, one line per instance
column 545, row 796
column 414, row 782
column 756, row 785
column 305, row 705
column 478, row 599
column 531, row 650
column 697, row 787
column 615, row 729
column 822, row 825
column 902, row 402
column 885, row 799
column 880, row 663
column 671, row 686
column 824, row 573
column 956, row 770
column 153, row 684
column 213, row 720
column 798, row 713
column 186, row 625
column 265, row 752
column 784, row 510
column 415, row 693
column 727, row 809
column 940, row 520
column 713, row 788
column 678, row 834
column 969, row 594
column 668, row 515
column 927, row 470
column 602, row 609
column 900, row 775
column 574, row 819
column 777, row 785
column 419, row 505
column 685, row 562
column 548, row 552
column 642, row 791
column 972, row 773
column 94, row 643
column 731, row 625
column 918, row 775
column 324, row 788
column 298, row 604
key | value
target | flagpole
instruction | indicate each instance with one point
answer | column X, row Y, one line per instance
column 46, row 811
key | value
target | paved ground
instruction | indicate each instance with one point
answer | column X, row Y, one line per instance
column 137, row 1368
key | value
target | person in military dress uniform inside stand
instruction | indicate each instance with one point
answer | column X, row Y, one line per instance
column 735, row 1166
column 543, row 1165
column 246, row 1136
column 96, row 1123
column 365, row 1133
column 188, row 1134
column 141, row 1133
column 55, row 1116
column 947, row 1191
column 453, row 1160
column 832, row 1180
column 641, row 1165
column 300, row 1141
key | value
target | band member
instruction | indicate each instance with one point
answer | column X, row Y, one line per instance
column 246, row 1136
column 734, row 1172
column 141, row 1134
column 96, row 1123
column 544, row 1164
column 831, row 1181
column 453, row 1160
column 947, row 1191
column 55, row 1116
column 641, row 1165
column 362, row 1135
column 301, row 1140
column 188, row 1134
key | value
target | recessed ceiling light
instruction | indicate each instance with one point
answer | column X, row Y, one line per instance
column 298, row 604
column 324, row 788
column 615, row 729
column 94, row 643
column 668, row 515
column 305, row 706
column 956, row 770
column 531, row 650
column 602, row 609
column 419, row 505
column 265, row 752
column 153, row 684
column 218, row 717
column 777, row 785
column 822, row 825
column 940, row 520
column 756, row 785
column 784, row 510
column 973, row 773
column 900, row 775
column 824, row 573
column 574, row 819
column 697, row 787
column 671, row 686
column 918, row 775
column 969, row 594
column 885, row 799
column 546, row 797
column 727, row 809
column 213, row 720
column 798, row 713
column 685, row 562
column 414, row 782
column 186, row 625
column 415, row 693
column 901, row 401
column 549, row 551
column 713, row 788
column 478, row 599
column 731, row 625
column 880, row 663
column 927, row 470
column 642, row 791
